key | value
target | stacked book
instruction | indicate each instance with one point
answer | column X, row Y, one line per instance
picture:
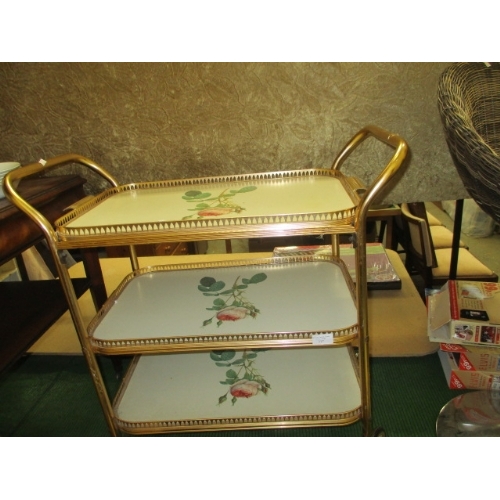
column 380, row 272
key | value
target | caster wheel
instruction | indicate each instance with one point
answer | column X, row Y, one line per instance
column 379, row 432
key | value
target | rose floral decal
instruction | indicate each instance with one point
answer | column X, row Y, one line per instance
column 231, row 303
column 214, row 206
column 242, row 377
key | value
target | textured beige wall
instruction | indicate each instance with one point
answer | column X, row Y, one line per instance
column 168, row 120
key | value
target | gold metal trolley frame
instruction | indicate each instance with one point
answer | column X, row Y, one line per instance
column 308, row 201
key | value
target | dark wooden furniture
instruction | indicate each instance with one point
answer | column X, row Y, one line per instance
column 28, row 308
column 385, row 214
column 167, row 248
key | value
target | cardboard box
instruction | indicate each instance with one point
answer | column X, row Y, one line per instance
column 465, row 312
column 463, row 379
column 475, row 358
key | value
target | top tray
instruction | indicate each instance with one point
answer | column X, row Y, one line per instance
column 250, row 205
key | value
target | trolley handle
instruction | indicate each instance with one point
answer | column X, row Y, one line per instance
column 394, row 164
column 11, row 179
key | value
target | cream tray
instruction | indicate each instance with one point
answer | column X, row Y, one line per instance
column 252, row 205
column 268, row 302
column 208, row 390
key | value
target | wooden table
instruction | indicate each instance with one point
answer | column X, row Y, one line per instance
column 28, row 308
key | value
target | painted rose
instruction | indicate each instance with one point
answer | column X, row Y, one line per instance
column 214, row 212
column 245, row 389
column 232, row 313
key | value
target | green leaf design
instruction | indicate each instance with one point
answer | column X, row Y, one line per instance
column 227, row 355
column 207, row 322
column 244, row 371
column 235, row 294
column 214, row 287
column 247, row 189
column 195, row 195
column 259, row 277
column 217, row 286
column 207, row 281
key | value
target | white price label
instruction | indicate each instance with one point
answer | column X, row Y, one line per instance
column 495, row 383
column 322, row 338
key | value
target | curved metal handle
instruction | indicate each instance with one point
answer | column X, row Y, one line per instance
column 38, row 167
column 397, row 160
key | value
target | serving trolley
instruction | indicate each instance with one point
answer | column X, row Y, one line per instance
column 255, row 343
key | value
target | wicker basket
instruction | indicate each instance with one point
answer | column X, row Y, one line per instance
column 469, row 104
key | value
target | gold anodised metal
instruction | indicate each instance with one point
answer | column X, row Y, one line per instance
column 309, row 201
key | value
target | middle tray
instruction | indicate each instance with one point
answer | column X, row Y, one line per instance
column 270, row 302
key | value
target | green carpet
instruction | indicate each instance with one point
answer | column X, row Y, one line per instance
column 54, row 396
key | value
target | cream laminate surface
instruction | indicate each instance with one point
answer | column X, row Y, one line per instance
column 397, row 318
column 300, row 195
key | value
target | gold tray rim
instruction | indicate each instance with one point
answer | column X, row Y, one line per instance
column 198, row 342
column 210, row 227
column 343, row 418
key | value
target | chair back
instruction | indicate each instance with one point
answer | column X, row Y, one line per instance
column 434, row 264
column 419, row 239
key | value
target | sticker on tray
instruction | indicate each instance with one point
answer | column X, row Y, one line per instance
column 322, row 338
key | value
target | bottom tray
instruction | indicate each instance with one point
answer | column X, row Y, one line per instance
column 248, row 389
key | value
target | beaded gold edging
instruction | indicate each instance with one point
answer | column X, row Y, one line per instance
column 202, row 342
column 336, row 218
column 179, row 344
column 342, row 218
column 279, row 421
column 234, row 423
